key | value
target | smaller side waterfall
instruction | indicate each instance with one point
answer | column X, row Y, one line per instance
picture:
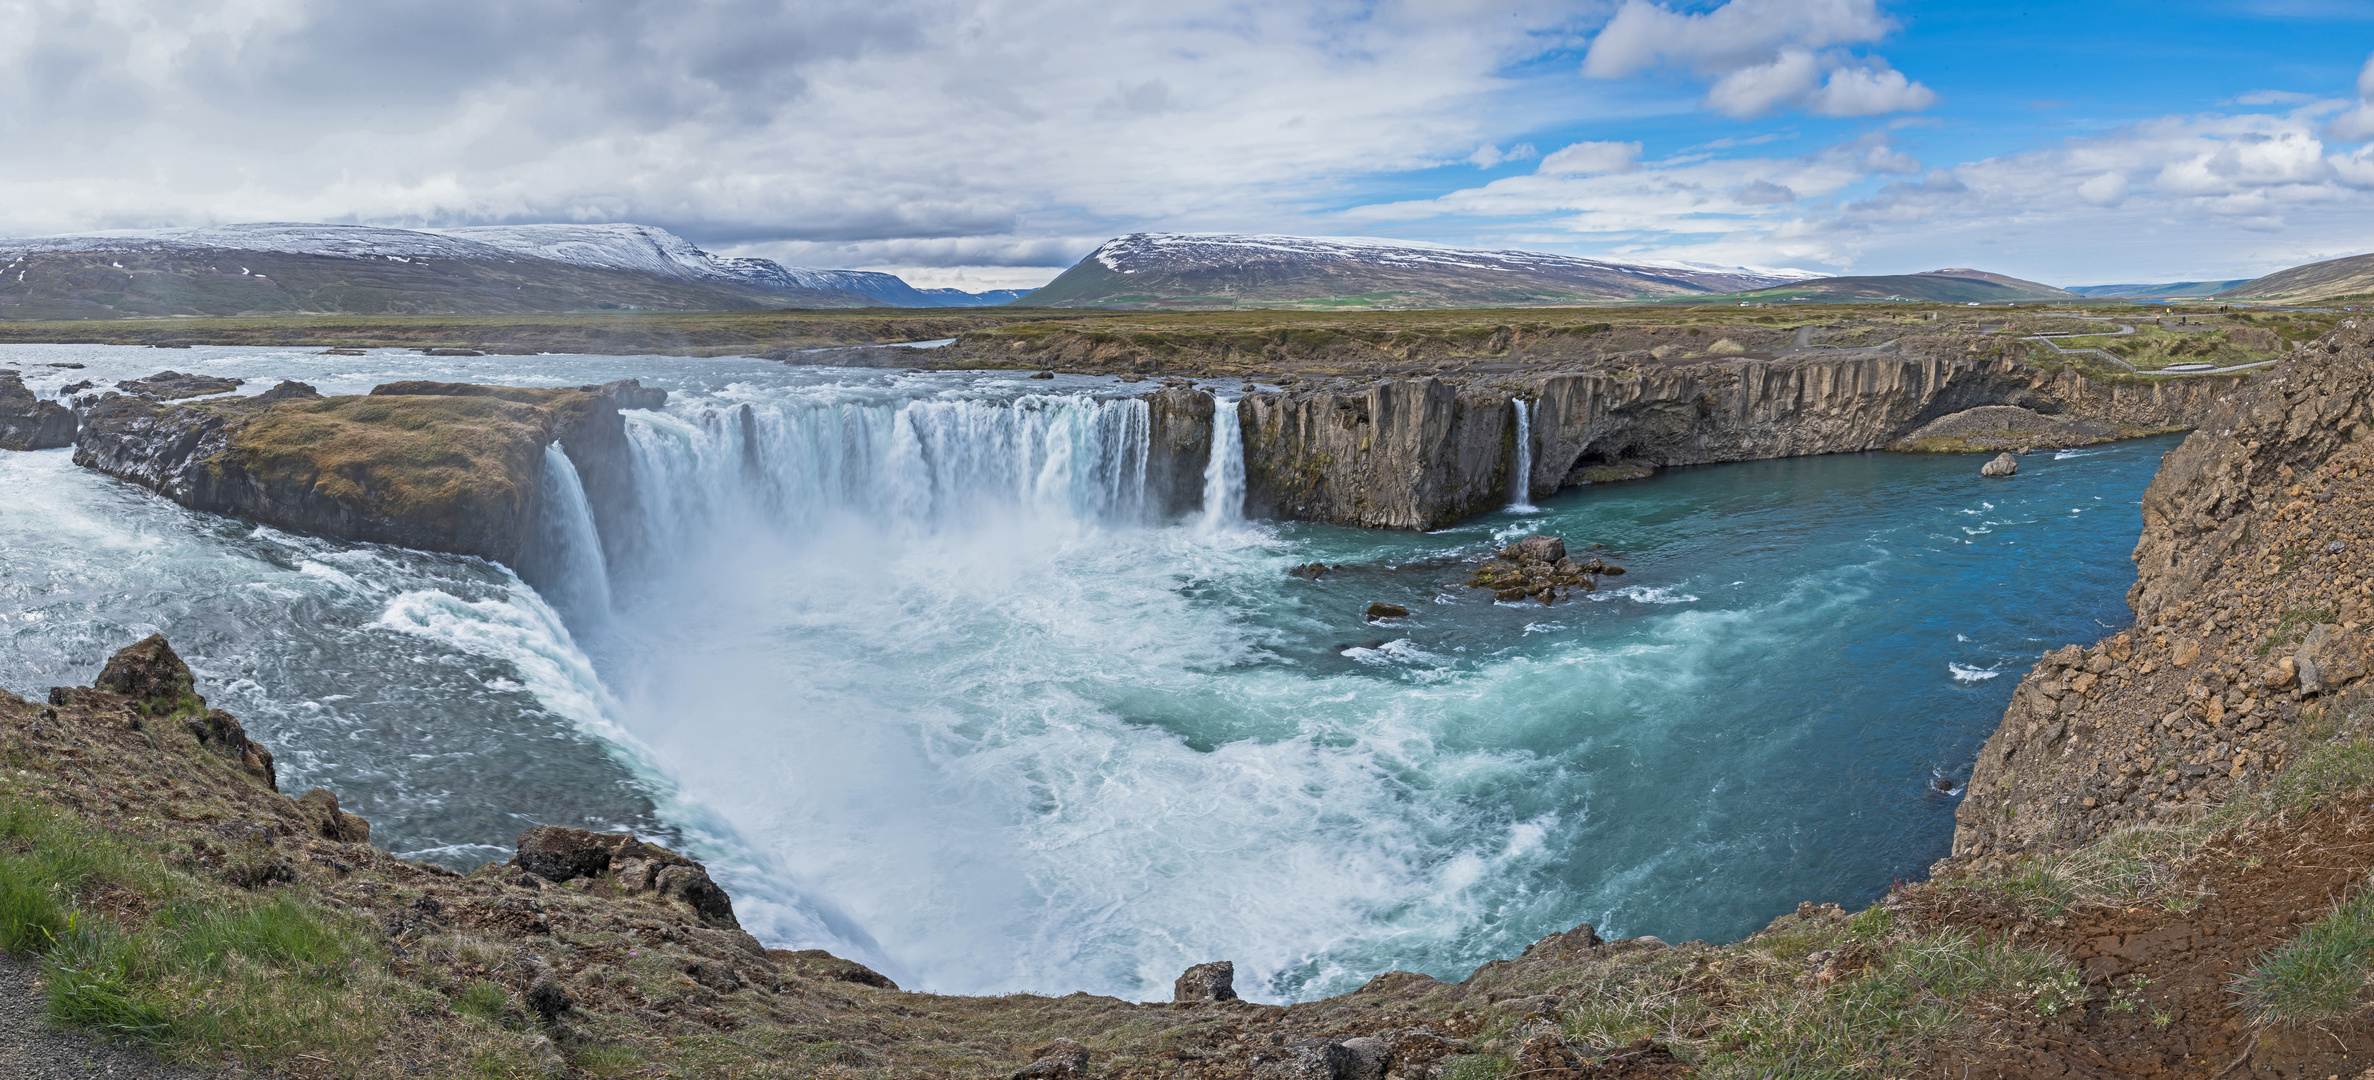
column 581, row 576
column 1521, row 485
column 1224, row 473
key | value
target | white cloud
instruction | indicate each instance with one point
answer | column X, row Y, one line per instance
column 2108, row 189
column 1764, row 55
column 1586, row 158
column 2357, row 125
column 1489, row 155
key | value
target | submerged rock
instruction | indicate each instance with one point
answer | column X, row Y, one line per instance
column 29, row 423
column 2003, row 465
column 173, row 386
column 1382, row 610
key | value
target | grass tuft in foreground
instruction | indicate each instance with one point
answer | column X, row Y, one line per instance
column 2318, row 975
column 133, row 949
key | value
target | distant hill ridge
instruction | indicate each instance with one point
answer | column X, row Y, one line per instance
column 2331, row 279
column 1955, row 285
column 291, row 268
column 1253, row 269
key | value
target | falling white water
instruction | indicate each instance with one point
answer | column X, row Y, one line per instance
column 1224, row 471
column 580, row 584
column 1522, row 500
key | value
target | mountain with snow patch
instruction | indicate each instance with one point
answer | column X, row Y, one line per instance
column 277, row 268
column 1217, row 270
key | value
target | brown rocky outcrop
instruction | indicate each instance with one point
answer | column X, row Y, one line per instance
column 437, row 466
column 2251, row 603
column 29, row 423
column 626, row 866
column 1538, row 567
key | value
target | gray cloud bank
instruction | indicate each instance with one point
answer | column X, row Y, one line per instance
column 933, row 132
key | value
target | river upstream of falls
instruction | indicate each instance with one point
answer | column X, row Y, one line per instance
column 912, row 670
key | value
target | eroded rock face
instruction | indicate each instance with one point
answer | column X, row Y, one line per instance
column 29, row 423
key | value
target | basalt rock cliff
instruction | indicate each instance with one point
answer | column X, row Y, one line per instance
column 1422, row 453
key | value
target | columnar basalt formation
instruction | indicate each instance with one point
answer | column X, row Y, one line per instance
column 1179, row 446
column 1401, row 454
column 2251, row 603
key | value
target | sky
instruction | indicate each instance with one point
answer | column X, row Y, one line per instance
column 991, row 143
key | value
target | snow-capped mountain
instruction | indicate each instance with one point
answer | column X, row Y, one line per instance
column 1159, row 268
column 652, row 255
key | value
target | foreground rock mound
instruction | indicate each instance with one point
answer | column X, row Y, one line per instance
column 29, row 423
column 2251, row 603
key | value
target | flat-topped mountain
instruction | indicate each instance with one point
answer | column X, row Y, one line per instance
column 1958, row 285
column 294, row 268
column 1233, row 269
column 2327, row 280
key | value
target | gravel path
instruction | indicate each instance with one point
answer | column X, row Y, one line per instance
column 32, row 1050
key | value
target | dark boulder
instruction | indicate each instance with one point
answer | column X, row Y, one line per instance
column 557, row 853
column 1215, row 981
column 1382, row 610
column 630, row 394
column 1548, row 549
column 29, row 423
column 150, row 673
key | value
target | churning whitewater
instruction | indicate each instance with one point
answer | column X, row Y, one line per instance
column 916, row 663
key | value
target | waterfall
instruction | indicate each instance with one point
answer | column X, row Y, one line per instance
column 579, row 576
column 1521, row 493
column 1224, row 472
column 914, row 467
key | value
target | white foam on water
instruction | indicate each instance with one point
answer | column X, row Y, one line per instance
column 1964, row 673
column 1644, row 594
